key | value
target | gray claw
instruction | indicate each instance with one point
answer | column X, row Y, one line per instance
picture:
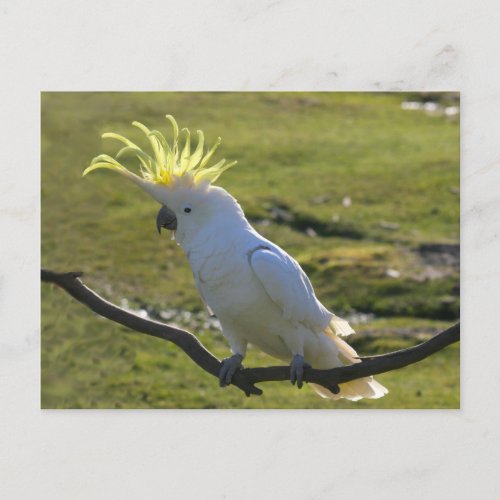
column 229, row 368
column 297, row 370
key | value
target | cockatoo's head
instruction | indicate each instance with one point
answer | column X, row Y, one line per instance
column 181, row 181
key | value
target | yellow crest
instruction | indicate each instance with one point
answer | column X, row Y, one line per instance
column 170, row 163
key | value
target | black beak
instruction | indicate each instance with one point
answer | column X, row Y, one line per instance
column 166, row 218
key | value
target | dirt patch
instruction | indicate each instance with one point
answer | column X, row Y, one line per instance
column 440, row 254
column 281, row 214
column 438, row 261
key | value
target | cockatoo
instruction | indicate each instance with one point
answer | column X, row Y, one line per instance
column 258, row 292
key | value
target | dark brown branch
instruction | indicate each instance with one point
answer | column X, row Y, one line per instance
column 246, row 378
column 369, row 366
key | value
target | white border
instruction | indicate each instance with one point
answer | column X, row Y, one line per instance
column 240, row 45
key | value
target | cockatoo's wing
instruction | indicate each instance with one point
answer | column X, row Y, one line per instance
column 289, row 287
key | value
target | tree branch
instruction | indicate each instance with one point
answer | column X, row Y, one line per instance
column 246, row 378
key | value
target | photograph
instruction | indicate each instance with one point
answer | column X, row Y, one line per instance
column 250, row 250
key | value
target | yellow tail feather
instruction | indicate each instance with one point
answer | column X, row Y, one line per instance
column 366, row 387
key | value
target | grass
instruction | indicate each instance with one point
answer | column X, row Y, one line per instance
column 300, row 155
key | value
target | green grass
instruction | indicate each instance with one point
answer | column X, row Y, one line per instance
column 303, row 152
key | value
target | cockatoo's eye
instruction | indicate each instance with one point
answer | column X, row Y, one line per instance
column 187, row 210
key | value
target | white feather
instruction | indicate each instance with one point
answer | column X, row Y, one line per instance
column 289, row 287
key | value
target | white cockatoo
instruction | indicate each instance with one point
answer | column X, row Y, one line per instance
column 257, row 291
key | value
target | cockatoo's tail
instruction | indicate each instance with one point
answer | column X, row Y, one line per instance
column 171, row 165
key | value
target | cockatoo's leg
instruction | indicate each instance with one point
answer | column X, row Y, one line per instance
column 228, row 369
column 230, row 365
column 297, row 370
column 295, row 343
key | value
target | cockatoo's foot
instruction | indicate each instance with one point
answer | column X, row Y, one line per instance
column 297, row 370
column 228, row 369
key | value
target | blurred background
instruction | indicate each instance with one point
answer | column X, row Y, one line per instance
column 361, row 188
